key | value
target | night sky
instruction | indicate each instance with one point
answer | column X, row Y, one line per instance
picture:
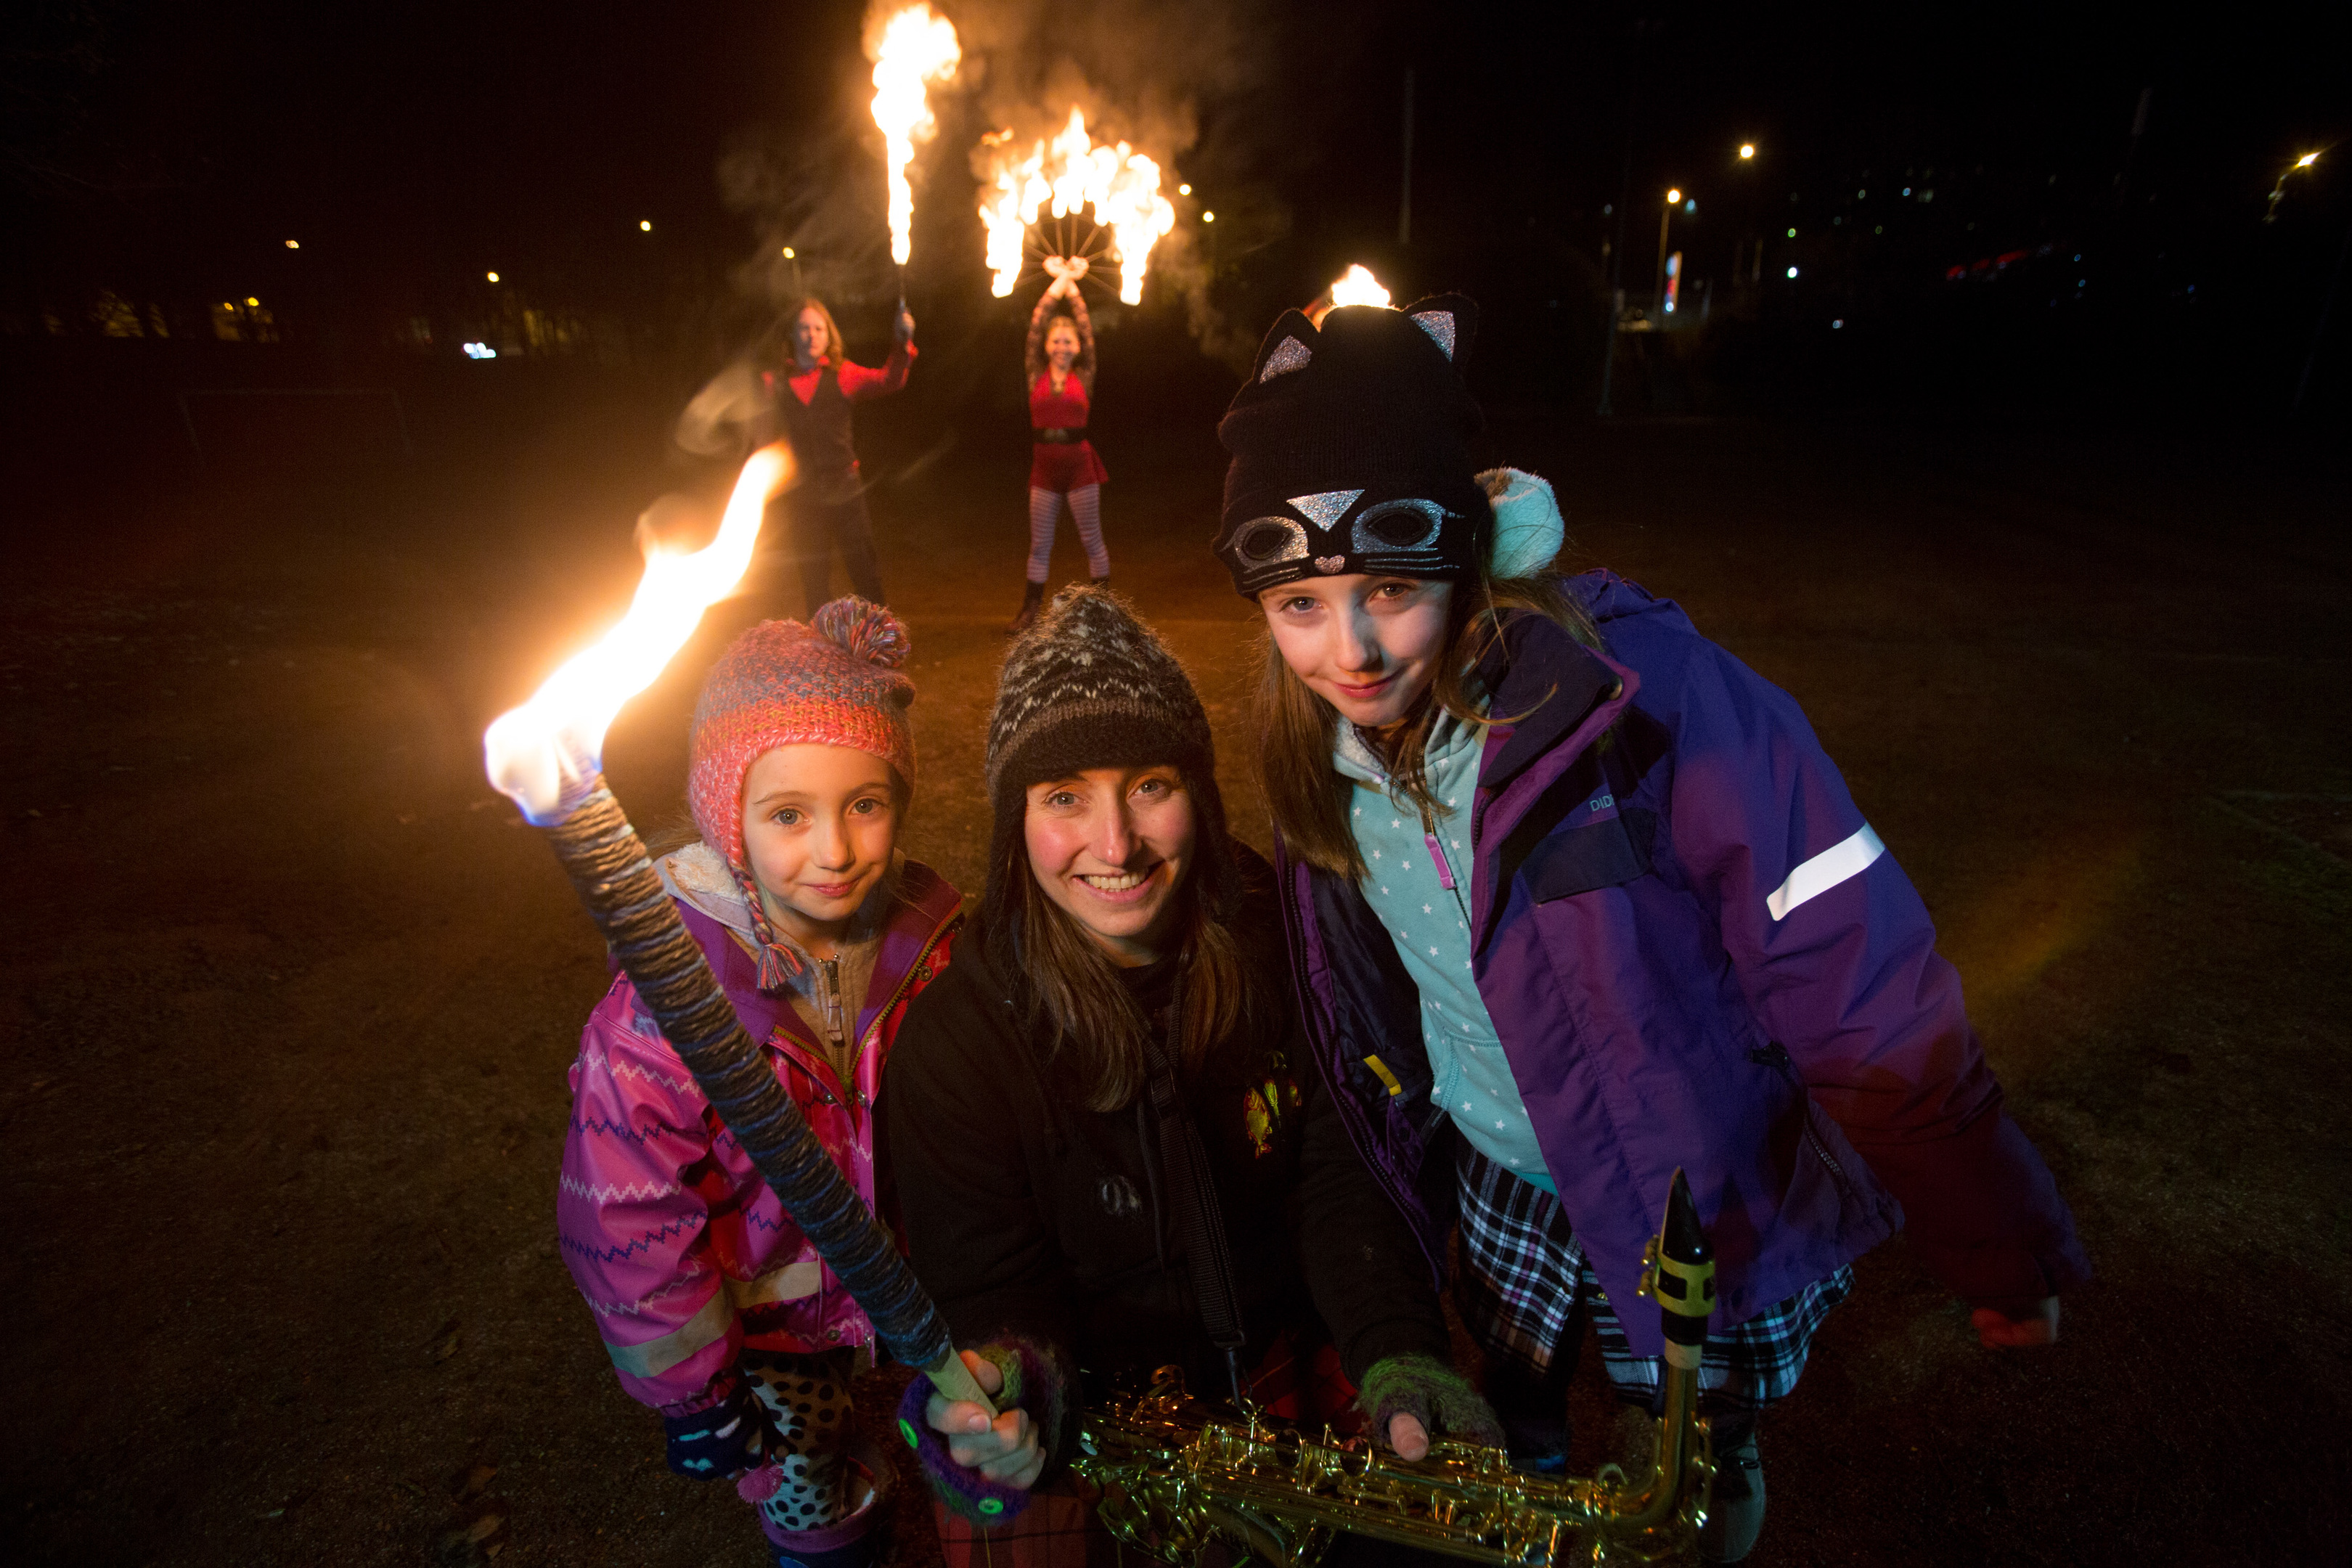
column 167, row 151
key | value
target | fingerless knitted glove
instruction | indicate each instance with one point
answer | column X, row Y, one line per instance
column 1032, row 1382
column 1436, row 1396
column 723, row 1440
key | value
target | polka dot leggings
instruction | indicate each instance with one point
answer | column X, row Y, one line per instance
column 807, row 1402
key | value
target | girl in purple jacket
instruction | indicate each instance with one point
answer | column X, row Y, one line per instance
column 1575, row 898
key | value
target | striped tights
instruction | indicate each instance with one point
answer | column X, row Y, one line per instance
column 1045, row 510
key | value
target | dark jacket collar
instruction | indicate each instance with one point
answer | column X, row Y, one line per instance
column 1539, row 670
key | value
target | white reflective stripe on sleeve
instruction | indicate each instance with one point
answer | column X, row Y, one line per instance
column 654, row 1357
column 1825, row 870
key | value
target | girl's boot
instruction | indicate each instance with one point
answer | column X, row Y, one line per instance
column 1030, row 601
column 855, row 1540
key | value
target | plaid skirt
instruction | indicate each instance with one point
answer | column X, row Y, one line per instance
column 1527, row 1292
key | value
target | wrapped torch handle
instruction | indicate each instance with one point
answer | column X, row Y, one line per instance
column 616, row 877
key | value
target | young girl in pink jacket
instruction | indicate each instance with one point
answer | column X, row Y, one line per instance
column 715, row 1309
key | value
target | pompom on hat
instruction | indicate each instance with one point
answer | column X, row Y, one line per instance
column 1351, row 445
column 833, row 681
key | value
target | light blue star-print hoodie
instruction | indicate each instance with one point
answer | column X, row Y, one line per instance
column 1430, row 921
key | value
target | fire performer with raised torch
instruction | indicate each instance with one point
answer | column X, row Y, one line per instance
column 803, row 767
column 808, row 405
column 1059, row 360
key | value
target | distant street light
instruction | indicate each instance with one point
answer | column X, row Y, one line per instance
column 1792, row 272
column 1183, row 190
column 293, row 245
column 493, row 277
column 644, row 226
column 1208, row 218
column 1665, row 214
column 1747, row 149
column 790, row 254
column 2270, row 214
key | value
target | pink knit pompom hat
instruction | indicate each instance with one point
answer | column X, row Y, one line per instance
column 833, row 681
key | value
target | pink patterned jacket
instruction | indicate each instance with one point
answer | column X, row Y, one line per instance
column 682, row 1252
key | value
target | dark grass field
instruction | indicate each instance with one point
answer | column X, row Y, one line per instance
column 291, row 994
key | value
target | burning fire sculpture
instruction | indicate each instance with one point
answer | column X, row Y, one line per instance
column 548, row 756
column 914, row 48
column 1066, row 176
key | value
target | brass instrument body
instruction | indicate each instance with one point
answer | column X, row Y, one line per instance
column 1177, row 1479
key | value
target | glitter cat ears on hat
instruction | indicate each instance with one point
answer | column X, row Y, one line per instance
column 1351, row 448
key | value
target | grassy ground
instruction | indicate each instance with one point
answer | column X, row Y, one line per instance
column 292, row 994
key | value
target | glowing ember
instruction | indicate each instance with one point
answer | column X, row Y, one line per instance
column 538, row 751
column 913, row 47
column 1359, row 288
column 1070, row 174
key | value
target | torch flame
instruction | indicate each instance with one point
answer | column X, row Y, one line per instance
column 1359, row 287
column 539, row 751
column 915, row 48
column 1072, row 173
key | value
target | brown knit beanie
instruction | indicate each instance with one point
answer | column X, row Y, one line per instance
column 1090, row 685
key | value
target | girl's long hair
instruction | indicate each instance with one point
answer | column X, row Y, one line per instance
column 1079, row 1006
column 1295, row 729
column 833, row 351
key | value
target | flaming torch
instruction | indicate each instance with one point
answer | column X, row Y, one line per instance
column 1072, row 173
column 548, row 756
column 913, row 48
column 1357, row 285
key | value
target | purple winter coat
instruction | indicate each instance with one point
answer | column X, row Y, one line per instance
column 1696, row 955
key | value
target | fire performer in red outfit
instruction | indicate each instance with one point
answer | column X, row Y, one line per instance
column 1059, row 358
column 808, row 405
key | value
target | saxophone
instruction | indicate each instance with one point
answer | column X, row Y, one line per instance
column 1179, row 1477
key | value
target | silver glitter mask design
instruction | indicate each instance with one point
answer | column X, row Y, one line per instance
column 1399, row 529
column 1326, row 509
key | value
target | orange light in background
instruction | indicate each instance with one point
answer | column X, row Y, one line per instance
column 2306, row 161
column 1357, row 285
column 491, row 276
column 646, row 225
column 790, row 253
column 1672, row 196
column 293, row 245
column 252, row 301
column 1747, row 149
column 1183, row 190
column 1208, row 218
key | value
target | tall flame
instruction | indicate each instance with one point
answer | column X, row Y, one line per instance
column 1358, row 287
column 540, row 750
column 915, row 48
column 1071, row 173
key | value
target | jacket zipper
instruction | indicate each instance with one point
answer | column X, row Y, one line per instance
column 1776, row 1055
column 922, row 956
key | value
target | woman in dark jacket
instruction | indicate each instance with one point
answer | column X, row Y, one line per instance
column 1120, row 1017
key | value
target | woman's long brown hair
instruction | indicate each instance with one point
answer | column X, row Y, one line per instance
column 1078, row 1004
column 833, row 353
column 1295, row 729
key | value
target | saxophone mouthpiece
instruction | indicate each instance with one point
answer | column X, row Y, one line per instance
column 1682, row 1275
